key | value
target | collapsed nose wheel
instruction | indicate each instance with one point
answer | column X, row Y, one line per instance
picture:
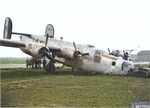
column 50, row 68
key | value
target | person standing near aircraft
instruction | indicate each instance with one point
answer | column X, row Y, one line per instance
column 27, row 63
column 36, row 62
column 44, row 63
column 39, row 63
column 32, row 64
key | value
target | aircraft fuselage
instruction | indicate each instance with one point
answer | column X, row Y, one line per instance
column 98, row 61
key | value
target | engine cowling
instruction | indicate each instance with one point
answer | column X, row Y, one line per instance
column 68, row 53
column 34, row 49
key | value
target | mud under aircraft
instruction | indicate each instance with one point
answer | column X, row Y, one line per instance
column 68, row 53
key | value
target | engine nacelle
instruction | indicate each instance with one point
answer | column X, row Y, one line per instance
column 34, row 49
column 7, row 28
column 67, row 52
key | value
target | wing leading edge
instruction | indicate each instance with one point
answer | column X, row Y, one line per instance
column 12, row 43
column 18, row 44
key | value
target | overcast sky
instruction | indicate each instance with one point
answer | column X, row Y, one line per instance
column 121, row 24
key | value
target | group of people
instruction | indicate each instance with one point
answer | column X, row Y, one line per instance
column 36, row 64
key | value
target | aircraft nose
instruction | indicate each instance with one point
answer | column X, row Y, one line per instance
column 128, row 66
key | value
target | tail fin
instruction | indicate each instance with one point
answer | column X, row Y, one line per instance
column 7, row 28
column 49, row 31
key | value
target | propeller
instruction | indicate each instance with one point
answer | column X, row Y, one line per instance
column 47, row 53
column 50, row 58
column 77, row 54
column 111, row 53
column 43, row 52
column 127, row 54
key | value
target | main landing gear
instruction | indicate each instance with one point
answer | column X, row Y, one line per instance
column 50, row 68
column 143, row 73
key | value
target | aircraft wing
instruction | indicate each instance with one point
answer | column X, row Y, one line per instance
column 12, row 43
column 55, row 49
column 18, row 44
column 36, row 50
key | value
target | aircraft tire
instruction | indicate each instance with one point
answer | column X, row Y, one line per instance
column 50, row 68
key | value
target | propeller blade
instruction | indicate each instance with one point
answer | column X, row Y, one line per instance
column 46, row 40
column 130, row 51
column 113, row 53
column 76, row 54
column 36, row 57
column 116, row 54
column 50, row 58
column 75, row 46
column 108, row 50
column 124, row 52
column 84, row 54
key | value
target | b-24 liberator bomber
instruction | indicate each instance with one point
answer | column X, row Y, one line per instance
column 74, row 55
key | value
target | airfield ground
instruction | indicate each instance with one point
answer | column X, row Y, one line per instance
column 17, row 63
column 12, row 66
column 21, row 87
column 35, row 88
column 23, row 65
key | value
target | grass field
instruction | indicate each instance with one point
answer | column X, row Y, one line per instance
column 12, row 60
column 35, row 88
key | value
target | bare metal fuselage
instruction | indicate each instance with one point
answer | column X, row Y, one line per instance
column 98, row 61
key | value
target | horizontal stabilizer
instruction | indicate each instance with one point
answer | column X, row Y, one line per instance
column 21, row 34
column 8, row 29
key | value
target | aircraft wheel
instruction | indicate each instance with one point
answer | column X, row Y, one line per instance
column 50, row 68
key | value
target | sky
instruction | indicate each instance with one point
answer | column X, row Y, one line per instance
column 119, row 24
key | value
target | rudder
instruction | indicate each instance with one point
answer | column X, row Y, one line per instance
column 7, row 28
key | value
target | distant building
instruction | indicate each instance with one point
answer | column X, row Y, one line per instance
column 143, row 55
column 133, row 57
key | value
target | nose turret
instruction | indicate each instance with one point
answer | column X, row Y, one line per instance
column 127, row 66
